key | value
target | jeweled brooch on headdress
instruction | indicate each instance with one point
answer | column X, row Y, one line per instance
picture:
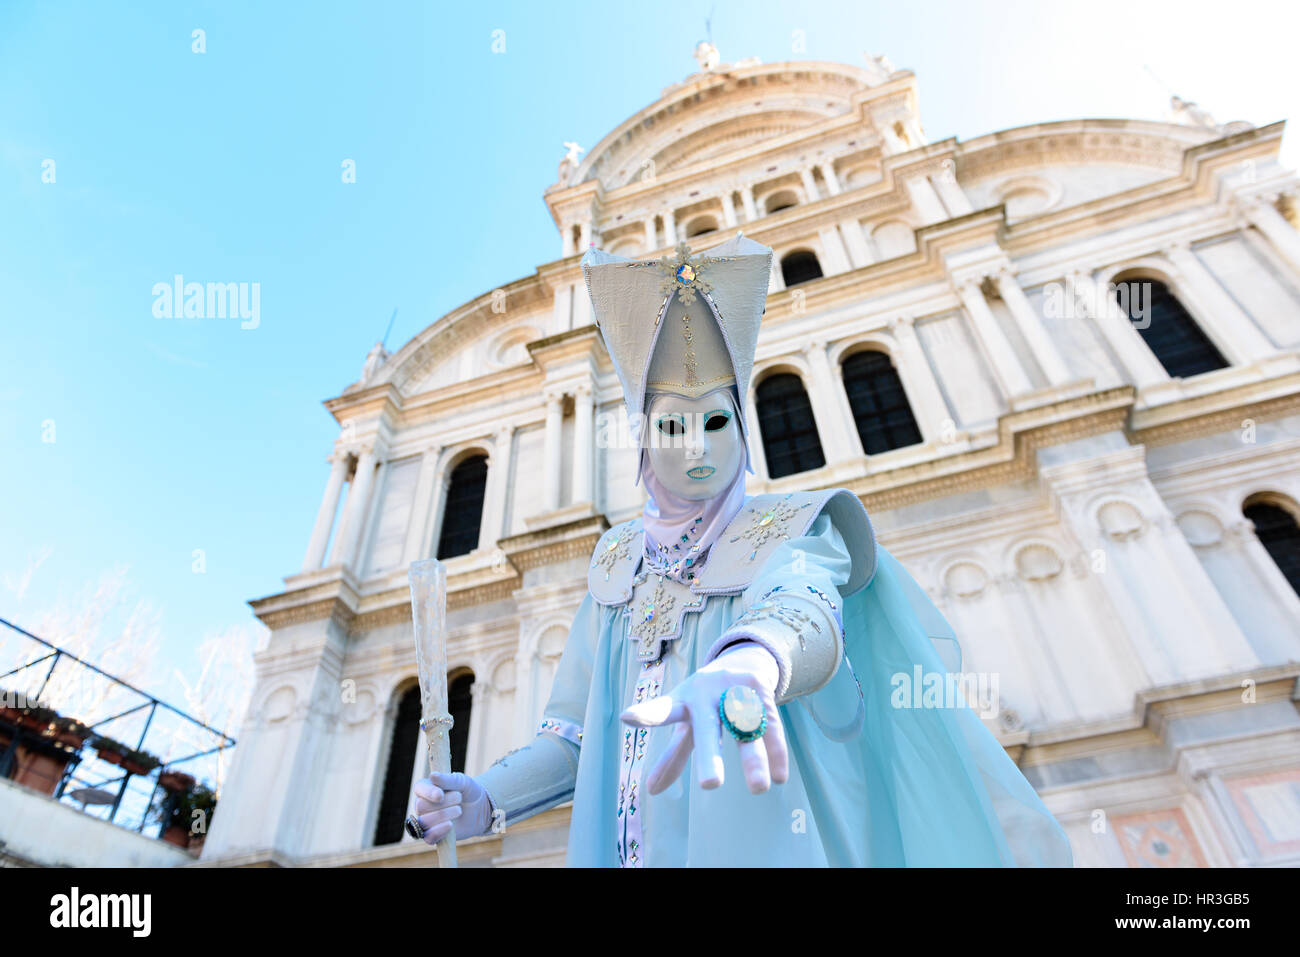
column 683, row 274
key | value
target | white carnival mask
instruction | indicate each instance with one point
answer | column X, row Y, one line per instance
column 695, row 446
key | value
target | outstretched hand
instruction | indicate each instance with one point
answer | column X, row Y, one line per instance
column 693, row 707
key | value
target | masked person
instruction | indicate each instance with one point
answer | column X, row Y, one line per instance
column 736, row 689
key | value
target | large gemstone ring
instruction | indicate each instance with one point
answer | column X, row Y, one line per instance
column 414, row 827
column 742, row 713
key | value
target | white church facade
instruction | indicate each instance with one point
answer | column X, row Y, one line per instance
column 1060, row 365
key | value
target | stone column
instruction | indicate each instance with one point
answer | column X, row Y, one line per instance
column 809, row 186
column 320, row 533
column 523, row 726
column 835, row 259
column 563, row 309
column 354, row 516
column 950, row 191
column 728, row 210
column 925, row 199
column 893, row 141
column 996, row 346
column 417, row 541
column 828, row 175
column 777, row 282
column 1264, row 216
column 1087, row 294
column 492, row 527
column 584, row 237
column 834, row 427
column 1031, row 327
column 747, row 201
column 581, row 304
column 918, row 378
column 583, row 444
column 651, row 236
column 855, row 241
column 552, row 451
column 670, row 229
column 1234, row 332
column 479, row 693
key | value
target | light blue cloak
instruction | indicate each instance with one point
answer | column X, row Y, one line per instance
column 871, row 783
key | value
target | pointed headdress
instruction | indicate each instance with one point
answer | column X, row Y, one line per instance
column 686, row 324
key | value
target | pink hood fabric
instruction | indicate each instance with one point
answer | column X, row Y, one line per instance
column 669, row 518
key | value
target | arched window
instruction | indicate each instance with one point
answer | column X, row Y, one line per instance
column 628, row 246
column 800, row 266
column 701, row 225
column 782, row 199
column 785, row 421
column 1173, row 335
column 401, row 763
column 463, row 512
column 880, row 409
column 1277, row 532
column 459, row 702
column 399, row 776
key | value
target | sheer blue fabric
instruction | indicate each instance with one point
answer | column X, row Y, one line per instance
column 874, row 779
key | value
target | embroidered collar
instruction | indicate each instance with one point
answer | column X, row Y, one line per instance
column 680, row 561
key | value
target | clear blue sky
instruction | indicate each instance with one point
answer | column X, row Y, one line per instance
column 175, row 435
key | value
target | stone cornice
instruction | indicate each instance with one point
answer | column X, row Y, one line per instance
column 581, row 343
column 1020, row 435
column 1139, row 142
column 1207, row 474
column 340, row 597
column 544, row 546
column 854, row 83
column 556, row 543
column 1214, row 412
column 1194, row 182
column 922, row 540
column 486, row 392
column 926, row 264
column 463, row 591
column 1010, row 459
column 1152, row 709
column 382, row 402
column 336, row 597
column 446, row 335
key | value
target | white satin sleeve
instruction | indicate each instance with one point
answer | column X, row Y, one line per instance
column 792, row 608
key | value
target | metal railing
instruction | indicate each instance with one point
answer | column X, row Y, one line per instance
column 98, row 700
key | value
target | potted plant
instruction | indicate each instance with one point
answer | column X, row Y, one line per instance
column 23, row 712
column 175, row 811
column 47, row 742
column 139, row 762
column 175, row 781
column 109, row 749
column 69, row 731
column 127, row 758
